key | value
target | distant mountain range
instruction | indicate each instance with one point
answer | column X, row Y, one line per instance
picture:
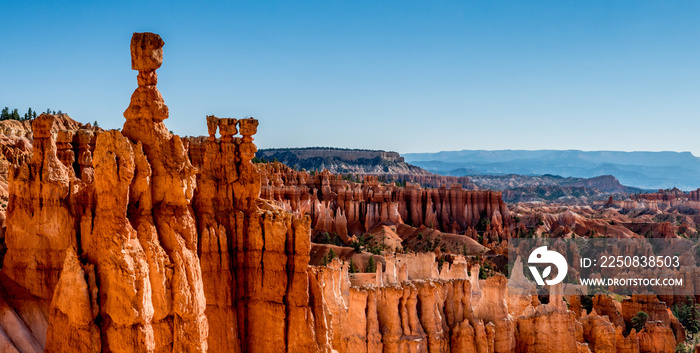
column 341, row 160
column 646, row 170
column 476, row 169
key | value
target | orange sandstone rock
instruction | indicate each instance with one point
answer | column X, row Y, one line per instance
column 71, row 325
column 656, row 337
column 346, row 207
column 39, row 226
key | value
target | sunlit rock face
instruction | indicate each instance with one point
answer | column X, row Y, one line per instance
column 345, row 207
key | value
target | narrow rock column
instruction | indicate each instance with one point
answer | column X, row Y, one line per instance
column 165, row 217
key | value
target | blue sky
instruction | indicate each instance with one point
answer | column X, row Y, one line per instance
column 397, row 75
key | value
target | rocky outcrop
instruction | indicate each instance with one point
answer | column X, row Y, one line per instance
column 345, row 207
column 144, row 237
column 159, row 205
column 656, row 337
column 599, row 333
column 694, row 195
column 254, row 254
column 657, row 312
column 665, row 195
column 16, row 139
column 73, row 310
column 423, row 315
column 39, row 225
column 544, row 329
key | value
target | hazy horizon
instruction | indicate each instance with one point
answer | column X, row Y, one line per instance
column 496, row 150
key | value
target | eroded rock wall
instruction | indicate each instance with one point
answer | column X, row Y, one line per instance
column 40, row 225
column 254, row 255
column 345, row 207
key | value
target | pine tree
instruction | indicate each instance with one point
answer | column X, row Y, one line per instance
column 28, row 114
column 639, row 320
column 352, row 267
column 5, row 114
column 371, row 265
column 15, row 114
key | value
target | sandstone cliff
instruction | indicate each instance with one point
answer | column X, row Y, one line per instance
column 346, row 207
column 16, row 139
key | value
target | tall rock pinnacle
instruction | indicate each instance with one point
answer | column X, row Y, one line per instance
column 147, row 110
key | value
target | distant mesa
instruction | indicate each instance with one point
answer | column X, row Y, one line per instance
column 385, row 165
column 341, row 160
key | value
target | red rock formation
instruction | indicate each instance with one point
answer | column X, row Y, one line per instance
column 237, row 231
column 16, row 148
column 656, row 337
column 599, row 333
column 657, row 311
column 432, row 180
column 346, row 207
column 664, row 195
column 39, row 225
column 694, row 195
column 605, row 305
column 159, row 204
column 15, row 143
column 73, row 310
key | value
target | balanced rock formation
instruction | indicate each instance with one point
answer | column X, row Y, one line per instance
column 124, row 208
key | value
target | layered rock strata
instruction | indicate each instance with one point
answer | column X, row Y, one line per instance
column 346, row 208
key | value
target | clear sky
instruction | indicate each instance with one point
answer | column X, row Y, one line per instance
column 396, row 75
